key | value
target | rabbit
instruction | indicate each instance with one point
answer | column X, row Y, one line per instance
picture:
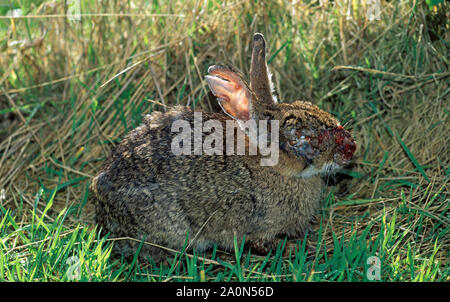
column 147, row 192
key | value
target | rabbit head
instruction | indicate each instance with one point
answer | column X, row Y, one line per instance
column 311, row 141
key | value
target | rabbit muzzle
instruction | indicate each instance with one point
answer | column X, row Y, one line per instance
column 345, row 145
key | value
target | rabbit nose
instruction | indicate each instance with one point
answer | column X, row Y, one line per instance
column 349, row 148
column 345, row 144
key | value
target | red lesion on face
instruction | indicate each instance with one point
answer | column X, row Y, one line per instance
column 339, row 136
column 324, row 136
column 345, row 144
column 342, row 140
column 349, row 149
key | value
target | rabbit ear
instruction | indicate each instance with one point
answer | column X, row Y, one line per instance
column 231, row 91
column 260, row 77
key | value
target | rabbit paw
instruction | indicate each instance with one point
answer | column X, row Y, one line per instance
column 261, row 247
column 264, row 247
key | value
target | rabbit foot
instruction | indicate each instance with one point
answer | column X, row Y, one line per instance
column 264, row 247
column 294, row 247
column 289, row 248
column 261, row 247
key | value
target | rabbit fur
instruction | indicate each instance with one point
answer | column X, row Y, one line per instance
column 146, row 192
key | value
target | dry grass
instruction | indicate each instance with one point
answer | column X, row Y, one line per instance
column 71, row 89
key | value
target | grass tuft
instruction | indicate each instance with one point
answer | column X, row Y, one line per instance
column 71, row 89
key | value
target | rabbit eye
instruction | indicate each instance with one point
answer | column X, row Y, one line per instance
column 300, row 146
column 291, row 121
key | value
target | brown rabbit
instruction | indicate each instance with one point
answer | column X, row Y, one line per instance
column 147, row 191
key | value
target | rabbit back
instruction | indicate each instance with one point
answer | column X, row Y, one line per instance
column 147, row 193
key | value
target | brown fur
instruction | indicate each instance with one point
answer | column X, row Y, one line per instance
column 146, row 192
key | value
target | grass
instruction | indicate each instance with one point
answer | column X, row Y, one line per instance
column 70, row 90
column 56, row 252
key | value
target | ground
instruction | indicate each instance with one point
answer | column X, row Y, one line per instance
column 73, row 86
